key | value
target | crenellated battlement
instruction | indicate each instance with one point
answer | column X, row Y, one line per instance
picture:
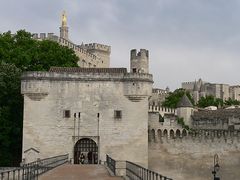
column 158, row 135
column 193, row 152
column 97, row 46
column 77, row 48
column 87, row 59
column 142, row 53
column 161, row 109
column 160, row 91
column 187, row 82
column 139, row 61
column 65, row 42
column 44, row 36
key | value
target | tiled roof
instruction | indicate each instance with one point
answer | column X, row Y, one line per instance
column 87, row 70
column 216, row 114
column 184, row 102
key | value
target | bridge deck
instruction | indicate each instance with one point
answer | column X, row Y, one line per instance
column 76, row 172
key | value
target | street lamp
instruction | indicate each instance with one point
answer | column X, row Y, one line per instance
column 216, row 167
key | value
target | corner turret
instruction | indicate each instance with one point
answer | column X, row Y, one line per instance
column 185, row 110
column 99, row 50
column 139, row 61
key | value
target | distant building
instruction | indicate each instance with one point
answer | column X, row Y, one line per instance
column 200, row 89
column 234, row 92
column 93, row 55
column 158, row 96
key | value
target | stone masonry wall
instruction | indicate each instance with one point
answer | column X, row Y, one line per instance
column 191, row 157
column 47, row 95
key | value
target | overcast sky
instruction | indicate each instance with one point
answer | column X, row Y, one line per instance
column 187, row 39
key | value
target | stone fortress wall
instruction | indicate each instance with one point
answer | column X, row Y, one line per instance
column 90, row 55
column 164, row 146
column 158, row 96
column 182, row 155
column 89, row 91
column 101, row 51
column 161, row 110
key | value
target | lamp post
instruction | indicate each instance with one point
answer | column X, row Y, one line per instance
column 216, row 167
column 98, row 136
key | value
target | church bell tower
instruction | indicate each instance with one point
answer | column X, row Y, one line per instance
column 64, row 28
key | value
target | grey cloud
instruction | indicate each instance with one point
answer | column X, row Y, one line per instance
column 187, row 39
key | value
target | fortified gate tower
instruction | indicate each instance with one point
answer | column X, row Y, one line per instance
column 94, row 111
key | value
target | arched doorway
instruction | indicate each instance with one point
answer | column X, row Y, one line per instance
column 88, row 148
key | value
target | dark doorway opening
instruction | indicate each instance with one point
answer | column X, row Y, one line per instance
column 86, row 148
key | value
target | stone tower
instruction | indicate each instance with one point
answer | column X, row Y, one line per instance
column 101, row 51
column 202, row 91
column 139, row 61
column 64, row 28
column 185, row 110
column 195, row 93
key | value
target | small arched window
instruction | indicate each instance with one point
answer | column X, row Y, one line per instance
column 165, row 133
column 184, row 132
column 171, row 133
column 178, row 133
column 159, row 132
column 153, row 134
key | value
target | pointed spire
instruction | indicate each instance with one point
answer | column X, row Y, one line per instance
column 202, row 88
column 184, row 102
column 195, row 87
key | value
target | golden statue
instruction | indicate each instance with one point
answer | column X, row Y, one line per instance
column 64, row 19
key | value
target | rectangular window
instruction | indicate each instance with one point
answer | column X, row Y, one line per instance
column 66, row 114
column 117, row 114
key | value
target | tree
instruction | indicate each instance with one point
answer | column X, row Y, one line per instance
column 209, row 101
column 32, row 55
column 174, row 97
column 10, row 114
column 231, row 102
column 20, row 53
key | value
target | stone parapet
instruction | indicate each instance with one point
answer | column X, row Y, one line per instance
column 90, row 76
column 97, row 46
column 87, row 59
column 159, row 135
column 75, row 47
column 136, row 87
column 161, row 109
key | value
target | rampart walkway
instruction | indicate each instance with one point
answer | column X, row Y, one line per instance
column 78, row 172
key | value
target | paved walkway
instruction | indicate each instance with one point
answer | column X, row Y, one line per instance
column 78, row 172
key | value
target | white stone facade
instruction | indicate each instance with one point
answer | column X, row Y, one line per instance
column 48, row 94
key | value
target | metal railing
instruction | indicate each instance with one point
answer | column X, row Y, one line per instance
column 32, row 170
column 136, row 172
column 111, row 163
